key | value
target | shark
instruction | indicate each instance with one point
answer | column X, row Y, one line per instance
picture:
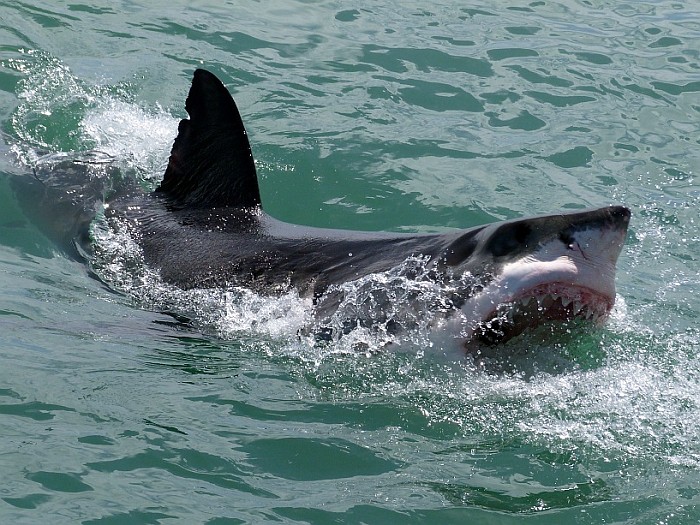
column 204, row 226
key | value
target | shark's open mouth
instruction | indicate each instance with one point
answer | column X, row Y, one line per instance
column 551, row 302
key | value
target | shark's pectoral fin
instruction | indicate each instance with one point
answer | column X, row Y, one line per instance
column 211, row 164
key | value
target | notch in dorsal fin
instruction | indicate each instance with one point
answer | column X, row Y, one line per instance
column 211, row 164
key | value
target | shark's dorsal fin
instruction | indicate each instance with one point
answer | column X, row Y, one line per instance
column 211, row 164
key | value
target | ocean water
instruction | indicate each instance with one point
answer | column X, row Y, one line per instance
column 399, row 116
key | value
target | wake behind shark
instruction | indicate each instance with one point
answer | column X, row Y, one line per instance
column 204, row 227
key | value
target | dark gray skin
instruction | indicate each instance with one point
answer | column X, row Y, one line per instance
column 219, row 247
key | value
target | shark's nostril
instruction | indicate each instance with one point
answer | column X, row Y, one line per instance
column 620, row 214
column 568, row 240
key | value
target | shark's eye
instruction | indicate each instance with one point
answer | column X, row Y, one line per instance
column 509, row 239
column 567, row 239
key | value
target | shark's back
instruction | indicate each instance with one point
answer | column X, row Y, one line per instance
column 204, row 225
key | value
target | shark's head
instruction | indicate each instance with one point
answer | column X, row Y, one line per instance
column 550, row 268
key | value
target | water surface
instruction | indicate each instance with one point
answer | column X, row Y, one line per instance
column 394, row 116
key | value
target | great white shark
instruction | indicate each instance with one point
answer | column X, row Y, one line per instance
column 204, row 226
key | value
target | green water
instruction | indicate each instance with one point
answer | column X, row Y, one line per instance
column 394, row 116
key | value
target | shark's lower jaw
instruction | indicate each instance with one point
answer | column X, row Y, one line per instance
column 546, row 303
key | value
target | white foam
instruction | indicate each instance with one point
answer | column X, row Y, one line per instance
column 90, row 117
column 137, row 137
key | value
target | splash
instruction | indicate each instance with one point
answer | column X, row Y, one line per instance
column 52, row 103
column 227, row 313
column 138, row 137
column 60, row 113
column 409, row 300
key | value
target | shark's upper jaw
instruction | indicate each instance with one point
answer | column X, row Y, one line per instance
column 565, row 278
column 555, row 301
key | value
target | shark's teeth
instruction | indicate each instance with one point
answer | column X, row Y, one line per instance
column 576, row 306
column 554, row 304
